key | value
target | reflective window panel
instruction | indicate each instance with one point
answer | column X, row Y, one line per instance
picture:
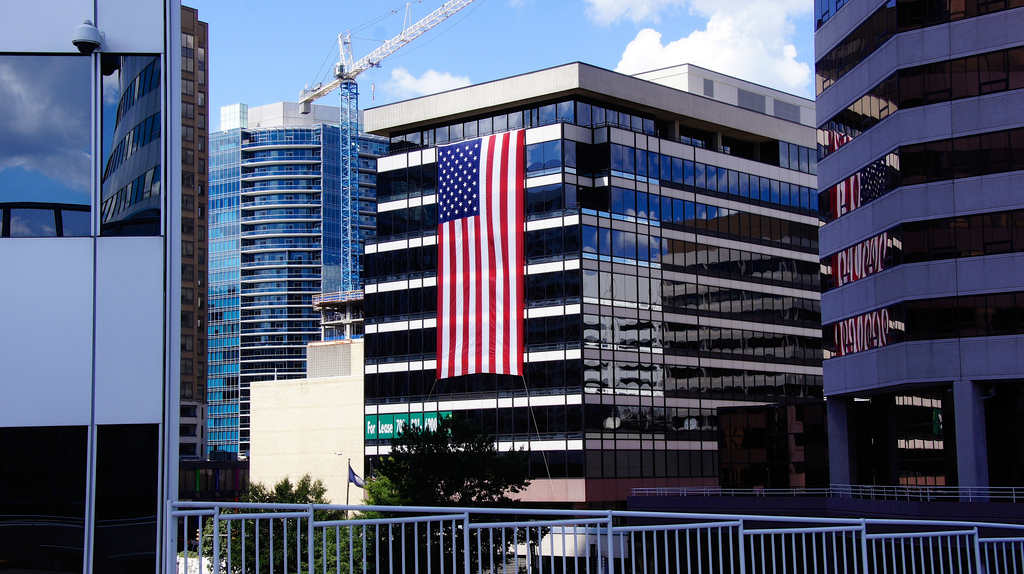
column 131, row 199
column 44, row 145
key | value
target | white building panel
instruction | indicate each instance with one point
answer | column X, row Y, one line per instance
column 129, row 329
column 44, row 26
column 46, row 321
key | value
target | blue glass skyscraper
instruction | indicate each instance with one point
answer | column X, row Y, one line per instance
column 276, row 223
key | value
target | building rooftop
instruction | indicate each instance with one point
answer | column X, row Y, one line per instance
column 668, row 103
column 276, row 115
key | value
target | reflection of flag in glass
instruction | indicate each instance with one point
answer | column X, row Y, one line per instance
column 480, row 259
column 355, row 479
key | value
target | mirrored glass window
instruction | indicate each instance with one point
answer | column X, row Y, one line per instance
column 44, row 145
column 131, row 179
column 42, row 498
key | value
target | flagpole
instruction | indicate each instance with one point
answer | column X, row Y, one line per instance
column 348, row 483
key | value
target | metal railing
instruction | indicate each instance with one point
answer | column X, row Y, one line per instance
column 324, row 538
column 865, row 492
column 38, row 219
column 338, row 297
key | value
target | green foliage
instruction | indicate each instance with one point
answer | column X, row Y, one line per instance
column 305, row 491
column 382, row 492
column 456, row 464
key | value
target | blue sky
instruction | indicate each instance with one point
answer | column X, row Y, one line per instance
column 264, row 51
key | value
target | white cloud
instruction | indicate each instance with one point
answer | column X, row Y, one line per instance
column 404, row 85
column 112, row 88
column 22, row 227
column 748, row 39
column 608, row 11
column 45, row 117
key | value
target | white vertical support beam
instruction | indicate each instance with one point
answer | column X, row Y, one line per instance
column 95, row 87
column 170, row 87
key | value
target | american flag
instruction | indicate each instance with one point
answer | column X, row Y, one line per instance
column 480, row 258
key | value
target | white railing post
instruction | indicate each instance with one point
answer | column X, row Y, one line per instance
column 611, row 561
column 170, row 541
column 309, row 541
column 199, row 540
column 977, row 552
column 216, row 540
column 743, row 547
column 465, row 543
column 864, row 544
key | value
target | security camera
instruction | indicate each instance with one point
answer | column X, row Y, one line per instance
column 86, row 38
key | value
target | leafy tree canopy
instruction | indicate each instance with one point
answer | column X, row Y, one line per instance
column 305, row 491
column 456, row 464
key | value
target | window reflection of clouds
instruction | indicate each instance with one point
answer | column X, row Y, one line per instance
column 44, row 129
column 32, row 223
column 111, row 97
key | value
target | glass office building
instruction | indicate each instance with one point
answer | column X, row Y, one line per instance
column 275, row 241
column 922, row 161
column 671, row 269
column 90, row 248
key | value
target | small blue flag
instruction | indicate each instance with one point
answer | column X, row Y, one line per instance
column 355, row 479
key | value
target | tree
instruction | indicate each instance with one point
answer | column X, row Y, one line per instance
column 305, row 491
column 453, row 465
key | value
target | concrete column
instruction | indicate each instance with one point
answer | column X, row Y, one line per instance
column 716, row 140
column 840, row 435
column 971, row 446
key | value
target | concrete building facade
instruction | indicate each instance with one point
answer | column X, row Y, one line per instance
column 922, row 147
column 311, row 425
column 195, row 133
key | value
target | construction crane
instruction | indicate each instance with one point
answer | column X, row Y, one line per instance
column 345, row 73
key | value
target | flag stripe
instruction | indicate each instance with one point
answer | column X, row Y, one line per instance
column 467, row 294
column 501, row 174
column 480, row 268
column 494, row 263
column 494, row 205
column 518, row 215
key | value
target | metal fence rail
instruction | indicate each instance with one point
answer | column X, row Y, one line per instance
column 866, row 492
column 314, row 539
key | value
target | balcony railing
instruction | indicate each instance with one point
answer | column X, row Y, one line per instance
column 363, row 539
column 34, row 219
column 864, row 492
column 338, row 297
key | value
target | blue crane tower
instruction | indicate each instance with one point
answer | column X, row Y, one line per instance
column 345, row 73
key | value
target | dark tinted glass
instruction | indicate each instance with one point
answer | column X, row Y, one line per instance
column 42, row 497
column 127, row 501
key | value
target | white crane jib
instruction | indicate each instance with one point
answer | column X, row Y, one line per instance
column 346, row 70
column 345, row 73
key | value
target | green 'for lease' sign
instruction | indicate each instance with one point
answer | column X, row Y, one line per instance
column 388, row 426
